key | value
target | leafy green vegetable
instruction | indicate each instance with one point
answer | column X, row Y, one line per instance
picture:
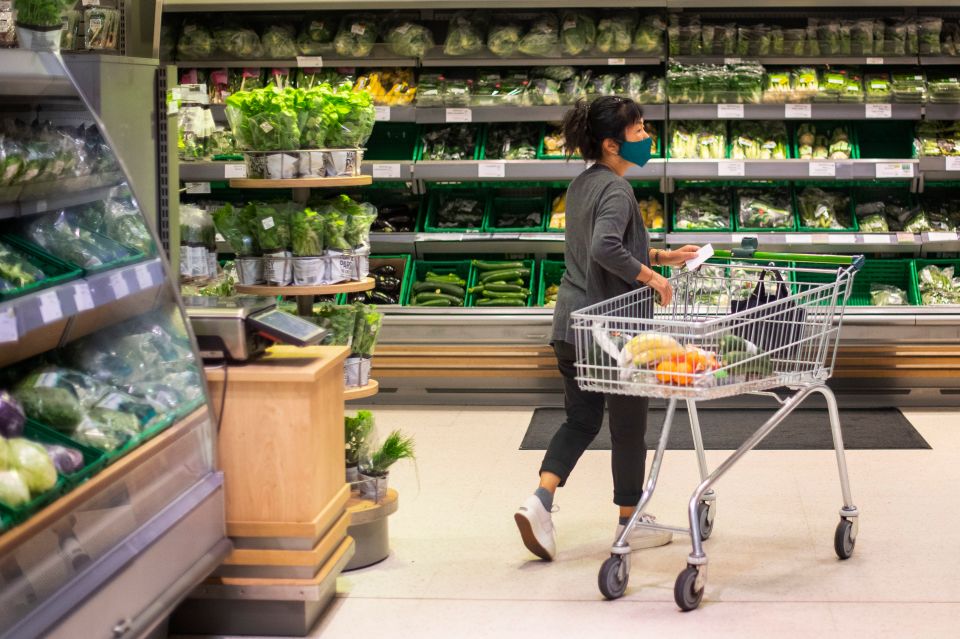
column 464, row 34
column 366, row 330
column 409, row 39
column 55, row 407
column 356, row 431
column 106, row 429
column 887, row 295
column 822, row 209
column 356, row 37
column 578, row 32
column 40, row 13
column 394, row 448
column 543, row 37
column 316, row 37
column 704, row 140
column 340, row 320
column 512, row 141
column 238, row 42
column 33, row 463
column 938, row 285
column 766, row 208
column 703, row 208
column 450, row 142
column 648, row 38
column 279, row 42
column 504, row 38
column 16, row 271
column 306, row 233
column 196, row 42
column 759, row 141
column 615, row 33
column 13, row 489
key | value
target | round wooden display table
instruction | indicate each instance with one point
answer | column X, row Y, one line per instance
column 368, row 527
column 305, row 293
column 359, row 392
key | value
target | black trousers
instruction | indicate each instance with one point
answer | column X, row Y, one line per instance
column 628, row 426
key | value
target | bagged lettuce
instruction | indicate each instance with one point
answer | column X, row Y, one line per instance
column 648, row 38
column 504, row 38
column 578, row 32
column 615, row 34
column 543, row 38
column 238, row 42
column 316, row 36
column 279, row 42
column 196, row 42
column 464, row 35
column 356, row 37
column 409, row 39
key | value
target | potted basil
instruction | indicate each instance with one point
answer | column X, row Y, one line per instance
column 375, row 471
column 356, row 431
column 39, row 23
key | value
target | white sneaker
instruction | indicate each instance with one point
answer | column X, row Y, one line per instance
column 641, row 538
column 536, row 528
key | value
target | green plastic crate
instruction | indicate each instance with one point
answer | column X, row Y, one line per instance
column 93, row 459
column 499, row 205
column 895, row 272
column 439, row 195
column 920, row 264
column 529, row 283
column 541, row 152
column 403, row 264
column 642, row 192
column 537, row 137
column 463, row 268
column 871, row 191
column 479, row 140
column 753, row 229
column 56, row 270
column 132, row 255
column 826, row 127
column 885, row 139
column 550, row 272
column 673, row 217
column 392, row 142
column 826, row 187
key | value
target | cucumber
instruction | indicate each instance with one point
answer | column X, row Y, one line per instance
column 449, row 278
column 512, row 274
column 435, row 303
column 506, row 296
column 496, row 266
column 499, row 301
column 443, row 287
column 745, row 363
column 430, row 297
column 735, row 343
column 504, row 288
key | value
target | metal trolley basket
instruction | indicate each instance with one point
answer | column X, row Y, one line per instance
column 734, row 328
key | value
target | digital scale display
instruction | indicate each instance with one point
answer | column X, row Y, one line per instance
column 288, row 328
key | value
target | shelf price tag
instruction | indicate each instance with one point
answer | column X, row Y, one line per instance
column 952, row 163
column 616, row 62
column 50, row 310
column 822, row 169
column 235, row 171
column 381, row 113
column 876, row 238
column 198, row 188
column 732, row 60
column 894, row 170
column 731, row 169
column 941, row 237
column 878, row 111
column 310, row 61
column 90, row 3
column 799, row 239
column 82, row 298
column 874, row 60
column 904, row 238
column 491, row 170
column 459, row 115
column 144, row 278
column 119, row 286
column 798, row 111
column 730, row 111
column 8, row 326
column 838, row 238
column 386, row 171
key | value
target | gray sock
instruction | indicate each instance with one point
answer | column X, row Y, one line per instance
column 624, row 520
column 545, row 496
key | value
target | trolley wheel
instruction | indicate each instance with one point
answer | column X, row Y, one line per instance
column 706, row 521
column 685, row 591
column 843, row 540
column 613, row 578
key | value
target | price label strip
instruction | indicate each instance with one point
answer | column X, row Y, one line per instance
column 50, row 310
column 492, row 170
column 8, row 327
column 82, row 298
column 119, row 286
column 144, row 277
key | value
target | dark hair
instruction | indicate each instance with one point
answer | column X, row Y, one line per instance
column 586, row 126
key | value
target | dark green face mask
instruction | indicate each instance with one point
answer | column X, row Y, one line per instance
column 636, row 152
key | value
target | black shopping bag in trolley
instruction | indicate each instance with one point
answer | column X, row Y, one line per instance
column 775, row 321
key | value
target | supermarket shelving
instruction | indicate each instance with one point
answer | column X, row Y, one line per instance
column 867, row 61
column 30, row 199
column 881, row 169
column 432, row 60
column 792, row 112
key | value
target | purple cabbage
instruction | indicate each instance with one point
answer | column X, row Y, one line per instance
column 67, row 460
column 12, row 416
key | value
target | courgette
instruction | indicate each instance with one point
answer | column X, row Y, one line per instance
column 505, row 296
column 496, row 266
column 504, row 288
column 499, row 301
column 430, row 297
column 735, row 343
column 745, row 363
column 435, row 303
column 443, row 287
column 512, row 274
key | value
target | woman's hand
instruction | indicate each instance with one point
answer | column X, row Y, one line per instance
column 678, row 257
column 661, row 285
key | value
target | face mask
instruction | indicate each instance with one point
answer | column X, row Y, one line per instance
column 637, row 152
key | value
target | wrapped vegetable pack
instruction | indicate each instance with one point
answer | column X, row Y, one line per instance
column 465, row 35
column 938, row 285
column 512, row 141
column 279, row 42
column 61, row 235
column 543, row 37
column 450, row 142
column 758, row 141
column 409, row 39
column 578, row 32
column 818, row 142
column 615, row 33
column 703, row 209
column 238, row 42
column 937, row 139
column 887, row 295
column 16, row 271
column 883, row 211
column 356, row 37
column 119, row 219
column 196, row 42
column 316, row 36
column 704, row 140
column 765, row 208
column 648, row 38
column 504, row 36
column 456, row 211
column 388, row 87
column 821, row 209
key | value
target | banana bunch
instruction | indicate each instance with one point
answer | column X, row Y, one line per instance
column 647, row 349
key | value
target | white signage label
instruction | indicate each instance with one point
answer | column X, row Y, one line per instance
column 878, row 111
column 309, row 61
column 941, row 237
column 82, row 298
column 894, row 170
column 731, row 169
column 386, row 171
column 119, row 286
column 798, row 111
column 905, row 237
column 730, row 111
column 952, row 163
column 823, row 169
column 234, row 170
column 381, row 113
column 144, row 278
column 800, row 239
column 616, row 62
column 8, row 327
column 459, row 115
column 198, row 188
column 874, row 60
column 50, row 310
column 492, row 170
column 876, row 238
column 838, row 238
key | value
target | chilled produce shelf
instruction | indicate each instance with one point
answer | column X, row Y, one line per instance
column 487, row 59
column 387, row 171
column 32, row 74
column 795, row 112
column 542, row 170
column 793, row 169
column 30, row 199
column 866, row 61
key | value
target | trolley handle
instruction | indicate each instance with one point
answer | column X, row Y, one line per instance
column 748, row 251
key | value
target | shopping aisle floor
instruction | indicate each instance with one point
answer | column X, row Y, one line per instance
column 458, row 568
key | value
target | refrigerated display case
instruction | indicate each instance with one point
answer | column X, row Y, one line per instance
column 94, row 346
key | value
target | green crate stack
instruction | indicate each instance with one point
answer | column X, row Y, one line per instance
column 869, row 192
column 550, row 272
column 528, row 281
column 894, row 272
column 920, row 264
column 462, row 268
column 826, row 187
column 131, row 255
column 673, row 211
column 393, row 141
column 794, row 222
column 93, row 459
column 436, row 198
column 56, row 270
column 499, row 205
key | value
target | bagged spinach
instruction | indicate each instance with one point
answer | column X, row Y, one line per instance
column 504, row 38
column 615, row 33
column 356, row 37
column 543, row 37
column 409, row 39
column 578, row 32
column 279, row 42
column 464, row 35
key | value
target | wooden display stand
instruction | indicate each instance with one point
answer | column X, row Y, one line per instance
column 281, row 450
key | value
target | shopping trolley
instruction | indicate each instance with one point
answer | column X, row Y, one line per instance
column 753, row 323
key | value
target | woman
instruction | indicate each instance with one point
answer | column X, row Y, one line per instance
column 607, row 254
